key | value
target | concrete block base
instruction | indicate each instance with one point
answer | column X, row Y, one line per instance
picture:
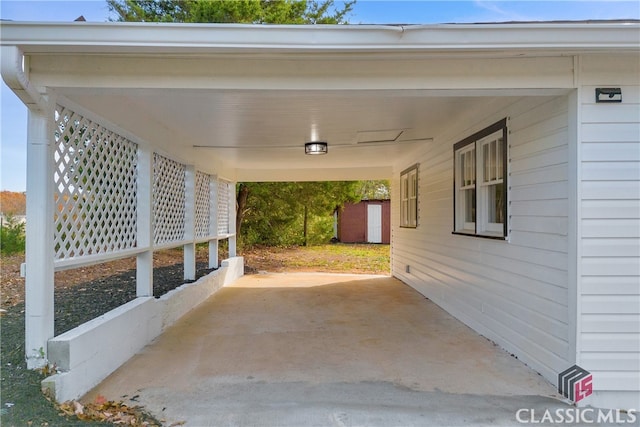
column 89, row 353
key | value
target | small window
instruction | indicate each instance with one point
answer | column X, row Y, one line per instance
column 409, row 197
column 480, row 199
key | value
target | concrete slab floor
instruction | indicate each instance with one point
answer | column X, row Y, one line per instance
column 329, row 350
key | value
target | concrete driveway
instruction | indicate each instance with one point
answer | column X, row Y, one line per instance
column 326, row 350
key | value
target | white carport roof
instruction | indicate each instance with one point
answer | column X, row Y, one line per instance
column 241, row 100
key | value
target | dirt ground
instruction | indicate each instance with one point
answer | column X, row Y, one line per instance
column 12, row 285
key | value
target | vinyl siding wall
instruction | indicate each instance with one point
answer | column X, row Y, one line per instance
column 609, row 244
column 514, row 293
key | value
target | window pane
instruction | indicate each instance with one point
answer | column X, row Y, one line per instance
column 406, row 212
column 499, row 159
column 405, row 190
column 492, row 160
column 412, row 213
column 464, row 169
column 403, row 213
column 470, row 205
column 468, row 168
column 486, row 162
column 496, row 204
column 413, row 178
column 472, row 173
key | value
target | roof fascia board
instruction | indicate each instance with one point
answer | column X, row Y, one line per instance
column 107, row 71
column 83, row 37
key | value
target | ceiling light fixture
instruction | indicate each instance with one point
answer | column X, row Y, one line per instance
column 315, row 148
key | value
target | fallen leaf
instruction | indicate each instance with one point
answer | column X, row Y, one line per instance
column 116, row 413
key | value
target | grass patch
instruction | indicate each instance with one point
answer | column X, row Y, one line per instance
column 328, row 258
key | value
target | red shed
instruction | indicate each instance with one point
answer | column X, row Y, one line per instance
column 367, row 221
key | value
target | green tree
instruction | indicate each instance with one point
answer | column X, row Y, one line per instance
column 236, row 11
column 12, row 238
column 293, row 213
column 150, row 10
column 375, row 189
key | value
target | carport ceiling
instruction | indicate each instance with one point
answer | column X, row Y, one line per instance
column 267, row 129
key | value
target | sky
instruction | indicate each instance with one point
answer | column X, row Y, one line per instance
column 13, row 114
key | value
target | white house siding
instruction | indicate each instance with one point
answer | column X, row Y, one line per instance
column 609, row 245
column 515, row 293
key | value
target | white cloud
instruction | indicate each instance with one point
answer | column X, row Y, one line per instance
column 501, row 12
column 571, row 10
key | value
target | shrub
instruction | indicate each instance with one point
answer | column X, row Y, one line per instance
column 12, row 237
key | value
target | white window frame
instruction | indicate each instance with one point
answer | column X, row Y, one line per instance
column 466, row 180
column 488, row 169
column 409, row 197
column 489, row 164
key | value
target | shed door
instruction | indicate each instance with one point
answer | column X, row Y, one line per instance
column 374, row 223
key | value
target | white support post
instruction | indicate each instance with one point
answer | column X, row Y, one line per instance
column 232, row 246
column 574, row 306
column 39, row 310
column 189, row 250
column 213, row 222
column 232, row 219
column 144, row 260
column 213, row 253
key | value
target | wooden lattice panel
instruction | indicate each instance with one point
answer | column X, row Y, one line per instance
column 95, row 188
column 168, row 200
column 203, row 204
column 223, row 207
